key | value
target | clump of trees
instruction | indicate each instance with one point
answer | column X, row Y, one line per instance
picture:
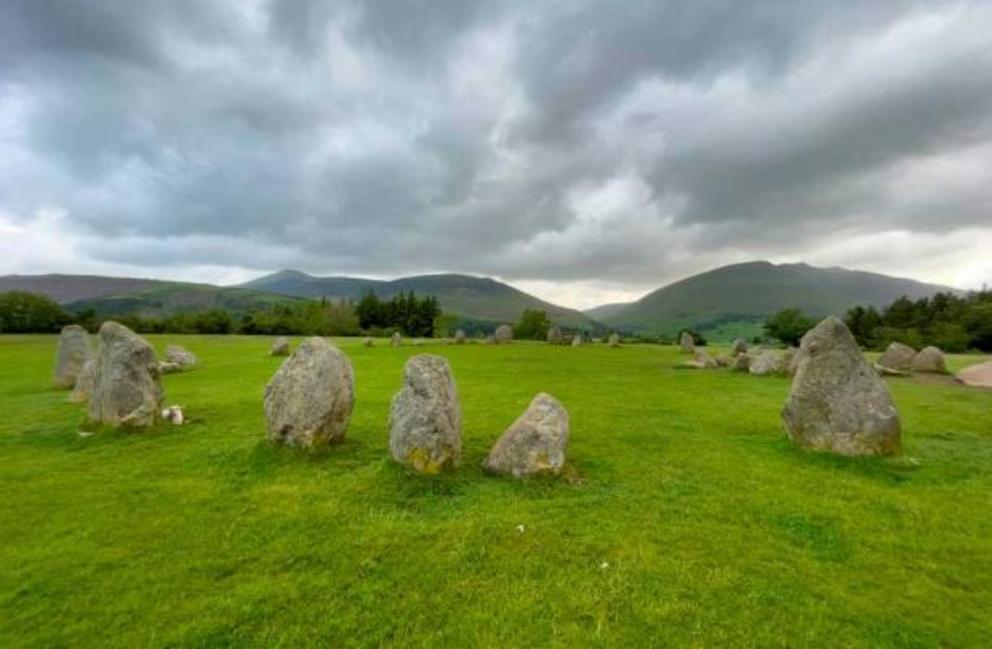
column 952, row 322
column 404, row 312
column 789, row 326
column 533, row 325
column 22, row 312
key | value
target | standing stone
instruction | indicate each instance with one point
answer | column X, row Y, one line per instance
column 460, row 337
column 280, row 347
column 396, row 340
column 555, row 336
column 425, row 420
column 535, row 443
column 740, row 363
column 791, row 357
column 84, row 383
column 897, row 359
column 503, row 334
column 978, row 376
column 309, row 400
column 930, row 359
column 73, row 352
column 369, row 341
column 769, row 362
column 127, row 389
column 739, row 347
column 180, row 356
column 614, row 340
column 687, row 342
column 837, row 402
column 576, row 340
column 489, row 340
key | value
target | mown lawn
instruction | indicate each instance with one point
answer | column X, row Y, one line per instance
column 687, row 518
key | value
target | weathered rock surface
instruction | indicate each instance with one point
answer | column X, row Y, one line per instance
column 126, row 389
column 503, row 335
column 309, row 400
column 769, row 362
column 704, row 359
column 396, row 340
column 72, row 353
column 84, row 383
column 425, row 419
column 837, row 402
column 460, row 337
column 897, row 359
column 535, row 443
column 739, row 347
column 280, row 347
column 792, row 358
column 555, row 336
column 180, row 356
column 979, row 376
column 687, row 342
column 614, row 340
column 167, row 367
column 740, row 363
column 930, row 359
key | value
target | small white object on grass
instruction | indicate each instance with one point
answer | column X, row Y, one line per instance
column 85, row 433
column 520, row 528
column 173, row 414
column 604, row 565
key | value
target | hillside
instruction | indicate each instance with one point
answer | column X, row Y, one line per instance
column 474, row 298
column 70, row 288
column 168, row 298
column 743, row 294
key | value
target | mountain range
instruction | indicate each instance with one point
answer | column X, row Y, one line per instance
column 731, row 300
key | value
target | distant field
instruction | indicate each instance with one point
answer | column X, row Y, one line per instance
column 687, row 518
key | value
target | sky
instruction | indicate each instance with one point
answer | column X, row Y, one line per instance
column 587, row 152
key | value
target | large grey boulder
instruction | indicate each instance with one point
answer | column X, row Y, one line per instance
column 897, row 359
column 425, row 419
column 614, row 340
column 180, row 356
column 555, row 336
column 127, row 388
column 770, row 362
column 84, row 383
column 978, row 376
column 837, row 402
column 309, row 400
column 72, row 353
column 535, row 443
column 687, row 342
column 503, row 335
column 280, row 347
column 930, row 359
column 739, row 347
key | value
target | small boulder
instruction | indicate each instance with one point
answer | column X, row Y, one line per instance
column 280, row 347
column 396, row 340
column 739, row 347
column 978, row 376
column 576, row 340
column 309, row 400
column 740, row 363
column 166, row 367
column 180, row 356
column 614, row 340
column 72, row 353
column 369, row 341
column 687, row 342
column 837, row 402
column 930, row 360
column 503, row 335
column 84, row 383
column 535, row 443
column 425, row 419
column 555, row 336
column 460, row 337
column 769, row 362
column 489, row 340
column 897, row 360
column 127, row 389
column 704, row 359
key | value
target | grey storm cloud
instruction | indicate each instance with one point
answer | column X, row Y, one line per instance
column 550, row 140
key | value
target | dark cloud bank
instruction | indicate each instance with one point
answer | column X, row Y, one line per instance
column 618, row 144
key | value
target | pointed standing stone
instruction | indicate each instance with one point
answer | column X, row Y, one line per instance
column 127, row 389
column 687, row 342
column 425, row 420
column 73, row 352
column 837, row 402
column 503, row 334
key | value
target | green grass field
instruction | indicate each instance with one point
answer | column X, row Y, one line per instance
column 687, row 518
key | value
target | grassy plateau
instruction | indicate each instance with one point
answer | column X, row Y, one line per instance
column 686, row 517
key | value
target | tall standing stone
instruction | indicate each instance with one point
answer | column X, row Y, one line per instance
column 576, row 340
column 308, row 402
column 614, row 340
column 535, row 443
column 687, row 342
column 425, row 419
column 739, row 347
column 127, row 390
column 555, row 336
column 396, row 340
column 460, row 337
column 837, row 402
column 503, row 334
column 72, row 353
